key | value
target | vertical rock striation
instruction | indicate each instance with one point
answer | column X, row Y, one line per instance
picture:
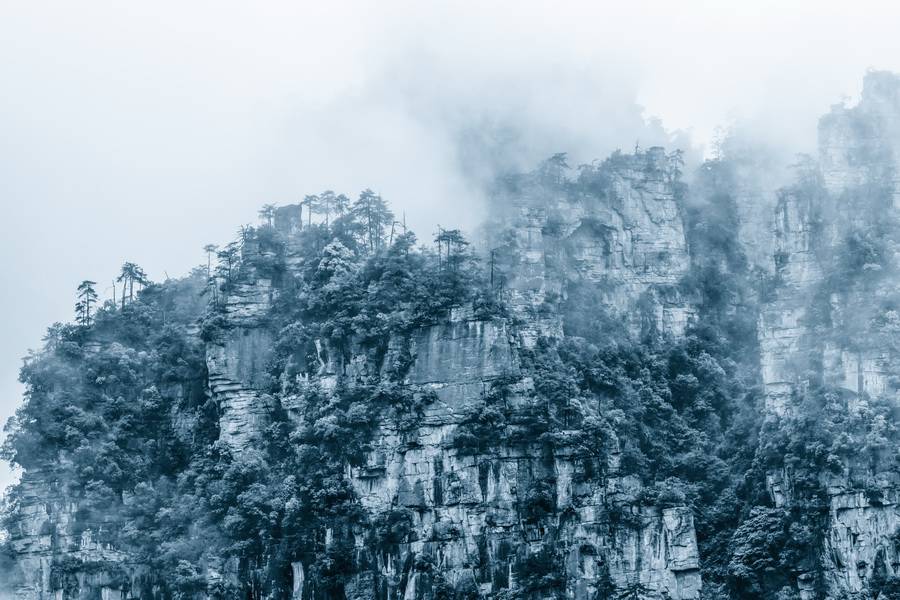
column 237, row 354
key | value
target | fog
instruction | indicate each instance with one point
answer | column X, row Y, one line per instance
column 143, row 131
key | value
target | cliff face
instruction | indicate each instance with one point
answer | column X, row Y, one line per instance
column 621, row 230
column 858, row 145
column 479, row 515
column 46, row 524
column 829, row 325
column 236, row 363
column 356, row 418
column 469, row 509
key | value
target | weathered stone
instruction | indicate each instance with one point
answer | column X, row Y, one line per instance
column 629, row 240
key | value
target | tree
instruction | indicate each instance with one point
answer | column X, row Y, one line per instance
column 325, row 204
column 87, row 296
column 634, row 590
column 553, row 169
column 267, row 213
column 210, row 249
column 129, row 275
column 312, row 204
column 455, row 243
column 373, row 213
column 337, row 262
column 246, row 233
column 341, row 204
column 228, row 260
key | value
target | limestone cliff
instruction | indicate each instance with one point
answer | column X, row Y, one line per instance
column 471, row 511
column 619, row 227
column 830, row 324
column 468, row 509
column 620, row 396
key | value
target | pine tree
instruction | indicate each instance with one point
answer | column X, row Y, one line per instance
column 228, row 261
column 87, row 296
column 210, row 249
column 326, row 204
column 128, row 276
column 454, row 242
column 312, row 204
column 341, row 204
column 267, row 213
column 554, row 168
column 372, row 212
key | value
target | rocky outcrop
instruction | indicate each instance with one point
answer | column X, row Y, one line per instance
column 620, row 227
column 860, row 145
column 812, row 331
column 505, row 515
column 783, row 327
column 54, row 555
column 469, row 511
column 860, row 541
column 236, row 355
column 486, row 519
column 236, row 365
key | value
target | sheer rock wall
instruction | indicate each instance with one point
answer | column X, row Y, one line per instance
column 859, row 152
column 621, row 229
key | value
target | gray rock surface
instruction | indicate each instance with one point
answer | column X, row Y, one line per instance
column 858, row 147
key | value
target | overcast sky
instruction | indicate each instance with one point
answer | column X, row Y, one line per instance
column 143, row 130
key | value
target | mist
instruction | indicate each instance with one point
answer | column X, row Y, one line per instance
column 141, row 132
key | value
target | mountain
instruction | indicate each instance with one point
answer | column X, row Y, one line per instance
column 637, row 383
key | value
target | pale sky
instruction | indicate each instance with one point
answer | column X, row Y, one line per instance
column 143, row 130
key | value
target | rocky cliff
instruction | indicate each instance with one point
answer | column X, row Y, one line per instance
column 829, row 325
column 638, row 389
column 620, row 228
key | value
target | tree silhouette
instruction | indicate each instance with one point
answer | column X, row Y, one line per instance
column 246, row 234
column 312, row 204
column 129, row 275
column 267, row 213
column 87, row 296
column 325, row 204
column 210, row 249
column 228, row 260
column 454, row 242
column 634, row 590
column 341, row 204
column 373, row 213
column 553, row 169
